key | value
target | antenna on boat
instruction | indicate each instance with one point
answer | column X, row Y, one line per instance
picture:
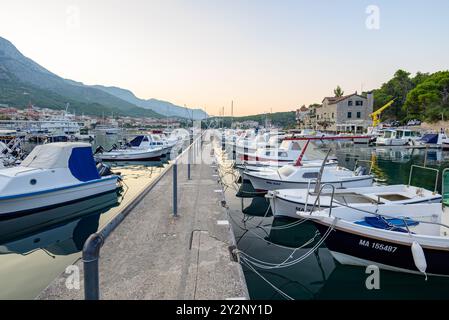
column 320, row 173
column 298, row 162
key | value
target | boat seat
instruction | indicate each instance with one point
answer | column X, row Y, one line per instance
column 392, row 224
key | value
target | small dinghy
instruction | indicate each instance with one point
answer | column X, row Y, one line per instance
column 51, row 175
column 141, row 148
column 288, row 201
column 406, row 238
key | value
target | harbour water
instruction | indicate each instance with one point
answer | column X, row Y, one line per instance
column 30, row 258
column 319, row 276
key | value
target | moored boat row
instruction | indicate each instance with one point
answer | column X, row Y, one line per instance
column 396, row 227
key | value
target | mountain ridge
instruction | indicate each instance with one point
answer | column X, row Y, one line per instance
column 23, row 80
column 160, row 106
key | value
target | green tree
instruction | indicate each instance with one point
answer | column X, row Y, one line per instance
column 338, row 92
column 397, row 87
column 429, row 100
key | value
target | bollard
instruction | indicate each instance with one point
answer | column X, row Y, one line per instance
column 91, row 253
column 175, row 189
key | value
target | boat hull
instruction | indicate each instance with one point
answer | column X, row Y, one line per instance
column 27, row 204
column 262, row 184
column 131, row 156
column 359, row 249
column 282, row 207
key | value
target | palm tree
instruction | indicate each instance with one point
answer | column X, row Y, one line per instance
column 338, row 92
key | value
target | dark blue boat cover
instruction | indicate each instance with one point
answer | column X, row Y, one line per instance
column 82, row 164
column 430, row 138
column 136, row 141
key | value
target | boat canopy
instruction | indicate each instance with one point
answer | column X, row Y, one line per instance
column 430, row 138
column 136, row 141
column 77, row 157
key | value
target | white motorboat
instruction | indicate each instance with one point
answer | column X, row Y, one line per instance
column 108, row 129
column 288, row 152
column 248, row 148
column 437, row 140
column 256, row 166
column 300, row 177
column 405, row 238
column 159, row 139
column 138, row 149
column 288, row 201
column 51, row 175
column 398, row 137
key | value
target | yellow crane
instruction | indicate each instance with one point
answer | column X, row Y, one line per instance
column 376, row 114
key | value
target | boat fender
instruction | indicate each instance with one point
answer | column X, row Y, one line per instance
column 419, row 258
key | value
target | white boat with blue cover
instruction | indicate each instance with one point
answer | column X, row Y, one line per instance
column 52, row 175
column 406, row 238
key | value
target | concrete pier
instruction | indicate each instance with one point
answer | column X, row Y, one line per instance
column 153, row 255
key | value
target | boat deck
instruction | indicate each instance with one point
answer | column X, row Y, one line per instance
column 152, row 255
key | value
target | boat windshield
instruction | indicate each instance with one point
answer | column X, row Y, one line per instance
column 387, row 134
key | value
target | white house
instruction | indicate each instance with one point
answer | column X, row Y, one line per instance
column 349, row 113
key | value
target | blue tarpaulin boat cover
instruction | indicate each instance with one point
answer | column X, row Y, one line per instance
column 430, row 138
column 82, row 164
column 387, row 223
column 136, row 141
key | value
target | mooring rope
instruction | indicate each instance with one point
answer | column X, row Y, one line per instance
column 282, row 293
column 286, row 263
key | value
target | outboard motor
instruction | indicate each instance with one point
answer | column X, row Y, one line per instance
column 103, row 169
column 361, row 171
column 99, row 149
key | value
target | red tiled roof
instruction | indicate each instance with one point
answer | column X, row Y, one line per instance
column 333, row 100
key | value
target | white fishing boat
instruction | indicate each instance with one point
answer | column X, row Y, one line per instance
column 406, row 238
column 51, row 175
column 288, row 201
column 300, row 177
column 398, row 137
column 138, row 149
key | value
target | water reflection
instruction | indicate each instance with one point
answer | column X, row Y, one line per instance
column 15, row 227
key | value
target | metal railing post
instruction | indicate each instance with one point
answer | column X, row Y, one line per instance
column 189, row 159
column 91, row 253
column 175, row 189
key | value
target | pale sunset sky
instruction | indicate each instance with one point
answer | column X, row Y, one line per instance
column 264, row 55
